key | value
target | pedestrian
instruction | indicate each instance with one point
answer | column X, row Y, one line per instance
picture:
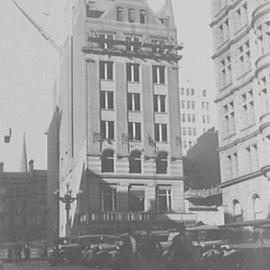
column 44, row 251
column 151, row 247
column 27, row 251
column 130, row 250
column 150, row 251
column 18, row 252
column 9, row 254
column 180, row 251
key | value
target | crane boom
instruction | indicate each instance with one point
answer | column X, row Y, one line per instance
column 50, row 40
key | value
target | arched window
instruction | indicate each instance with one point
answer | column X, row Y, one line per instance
column 162, row 162
column 107, row 161
column 237, row 211
column 135, row 162
column 257, row 207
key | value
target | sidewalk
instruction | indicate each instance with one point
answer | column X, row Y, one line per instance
column 29, row 266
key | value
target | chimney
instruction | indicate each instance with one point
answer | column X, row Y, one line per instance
column 31, row 165
column 1, row 167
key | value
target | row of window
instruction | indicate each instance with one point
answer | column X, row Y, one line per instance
column 188, row 118
column 107, row 131
column 133, row 15
column 246, row 112
column 189, row 131
column 136, row 198
column 239, row 17
column 250, row 163
column 135, row 162
column 187, row 104
column 187, row 91
column 133, row 74
column 133, row 101
column 133, row 43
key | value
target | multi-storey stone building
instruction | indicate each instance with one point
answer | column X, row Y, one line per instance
column 120, row 140
column 196, row 113
column 23, row 205
column 241, row 30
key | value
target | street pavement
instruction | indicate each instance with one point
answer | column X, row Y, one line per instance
column 43, row 266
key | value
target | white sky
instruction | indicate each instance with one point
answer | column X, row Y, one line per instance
column 28, row 65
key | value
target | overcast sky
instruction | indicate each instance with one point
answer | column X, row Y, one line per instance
column 28, row 65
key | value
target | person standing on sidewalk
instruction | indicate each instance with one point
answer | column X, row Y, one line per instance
column 130, row 250
column 181, row 250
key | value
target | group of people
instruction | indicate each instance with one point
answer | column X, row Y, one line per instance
column 147, row 254
column 17, row 251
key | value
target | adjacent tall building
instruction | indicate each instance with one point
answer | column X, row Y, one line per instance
column 120, row 140
column 241, row 32
column 196, row 113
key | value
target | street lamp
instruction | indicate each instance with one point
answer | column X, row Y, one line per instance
column 67, row 199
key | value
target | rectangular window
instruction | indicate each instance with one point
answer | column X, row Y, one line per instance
column 133, row 73
column 134, row 131
column 247, row 106
column 193, row 105
column 133, row 43
column 142, row 16
column 106, row 41
column 131, row 15
column 107, row 129
column 229, row 119
column 184, row 131
column 164, row 201
column 243, row 58
column 136, row 198
column 192, row 91
column 108, row 198
column 158, row 74
column 119, row 15
column 106, row 100
column 194, row 132
column 183, row 104
column 193, row 118
column 225, row 72
column 161, row 133
column 106, row 70
column 189, row 131
column 134, row 103
column 183, row 117
column 159, row 103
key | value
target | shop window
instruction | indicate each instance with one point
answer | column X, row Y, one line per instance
column 164, row 200
column 136, row 198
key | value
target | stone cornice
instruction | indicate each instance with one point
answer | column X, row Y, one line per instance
column 240, row 179
column 239, row 140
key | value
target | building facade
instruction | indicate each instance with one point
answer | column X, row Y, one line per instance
column 120, row 141
column 196, row 112
column 241, row 32
column 23, row 205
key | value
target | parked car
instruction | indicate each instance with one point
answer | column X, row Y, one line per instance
column 98, row 250
column 65, row 254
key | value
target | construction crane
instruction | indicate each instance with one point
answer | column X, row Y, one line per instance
column 50, row 40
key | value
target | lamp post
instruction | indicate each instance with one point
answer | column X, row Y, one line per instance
column 67, row 199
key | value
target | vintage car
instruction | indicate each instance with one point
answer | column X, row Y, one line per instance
column 98, row 250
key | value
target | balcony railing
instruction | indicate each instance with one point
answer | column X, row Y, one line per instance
column 202, row 193
column 134, row 217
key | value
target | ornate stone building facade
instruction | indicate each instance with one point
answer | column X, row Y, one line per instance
column 241, row 30
column 120, row 140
